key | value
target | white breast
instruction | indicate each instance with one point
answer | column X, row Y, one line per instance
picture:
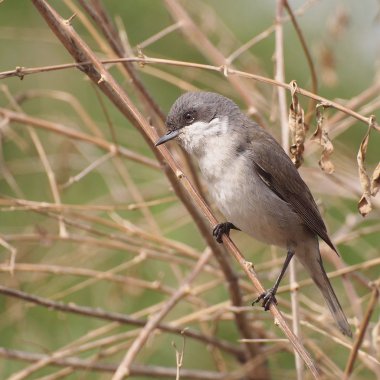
column 250, row 205
column 237, row 190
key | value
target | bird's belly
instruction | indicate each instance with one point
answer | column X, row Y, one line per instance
column 250, row 205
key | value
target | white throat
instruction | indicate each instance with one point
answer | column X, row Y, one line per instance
column 212, row 144
column 199, row 136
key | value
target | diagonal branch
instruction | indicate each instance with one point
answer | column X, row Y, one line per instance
column 362, row 330
column 195, row 204
column 124, row 368
column 97, row 73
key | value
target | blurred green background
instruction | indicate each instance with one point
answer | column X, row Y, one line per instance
column 344, row 40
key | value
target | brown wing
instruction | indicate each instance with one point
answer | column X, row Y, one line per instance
column 286, row 182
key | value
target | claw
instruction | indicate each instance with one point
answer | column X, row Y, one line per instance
column 218, row 232
column 268, row 298
column 222, row 228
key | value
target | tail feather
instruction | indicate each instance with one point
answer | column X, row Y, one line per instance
column 312, row 261
column 320, row 278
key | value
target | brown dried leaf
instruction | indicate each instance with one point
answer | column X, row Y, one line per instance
column 298, row 132
column 297, row 128
column 325, row 163
column 375, row 181
column 322, row 138
column 317, row 134
column 364, row 205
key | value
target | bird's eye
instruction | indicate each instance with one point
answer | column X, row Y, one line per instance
column 188, row 117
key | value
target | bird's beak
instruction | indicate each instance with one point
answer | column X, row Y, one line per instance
column 169, row 136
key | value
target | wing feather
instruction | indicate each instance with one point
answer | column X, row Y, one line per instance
column 286, row 182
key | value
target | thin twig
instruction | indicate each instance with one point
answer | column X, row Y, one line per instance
column 117, row 317
column 87, row 170
column 314, row 79
column 107, row 84
column 280, row 76
column 264, row 34
column 97, row 12
column 124, row 367
column 163, row 33
column 97, row 237
column 337, row 339
column 95, row 366
column 13, row 253
column 196, row 37
column 76, row 135
column 22, row 71
column 361, row 332
column 44, row 161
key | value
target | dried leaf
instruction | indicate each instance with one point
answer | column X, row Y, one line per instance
column 325, row 163
column 297, row 128
column 317, row 134
column 365, row 204
column 375, row 181
column 322, row 138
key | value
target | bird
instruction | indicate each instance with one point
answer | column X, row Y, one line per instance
column 255, row 185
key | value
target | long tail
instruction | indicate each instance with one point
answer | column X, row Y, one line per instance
column 315, row 267
column 324, row 285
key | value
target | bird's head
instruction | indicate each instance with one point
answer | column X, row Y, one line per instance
column 196, row 117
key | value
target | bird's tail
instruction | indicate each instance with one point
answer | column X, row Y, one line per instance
column 315, row 267
column 324, row 285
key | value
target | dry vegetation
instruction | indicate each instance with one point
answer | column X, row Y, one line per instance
column 108, row 269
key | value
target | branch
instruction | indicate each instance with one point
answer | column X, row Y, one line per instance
column 362, row 329
column 314, row 79
column 123, row 369
column 199, row 40
column 97, row 73
column 224, row 70
column 283, row 111
column 95, row 366
column 195, row 204
column 120, row 318
column 76, row 135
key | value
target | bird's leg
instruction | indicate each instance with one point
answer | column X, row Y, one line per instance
column 269, row 296
column 223, row 228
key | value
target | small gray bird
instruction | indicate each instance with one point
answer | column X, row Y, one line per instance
column 255, row 185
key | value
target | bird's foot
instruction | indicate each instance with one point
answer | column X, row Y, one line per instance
column 222, row 228
column 268, row 298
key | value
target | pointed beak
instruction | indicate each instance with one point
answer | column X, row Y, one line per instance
column 169, row 136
